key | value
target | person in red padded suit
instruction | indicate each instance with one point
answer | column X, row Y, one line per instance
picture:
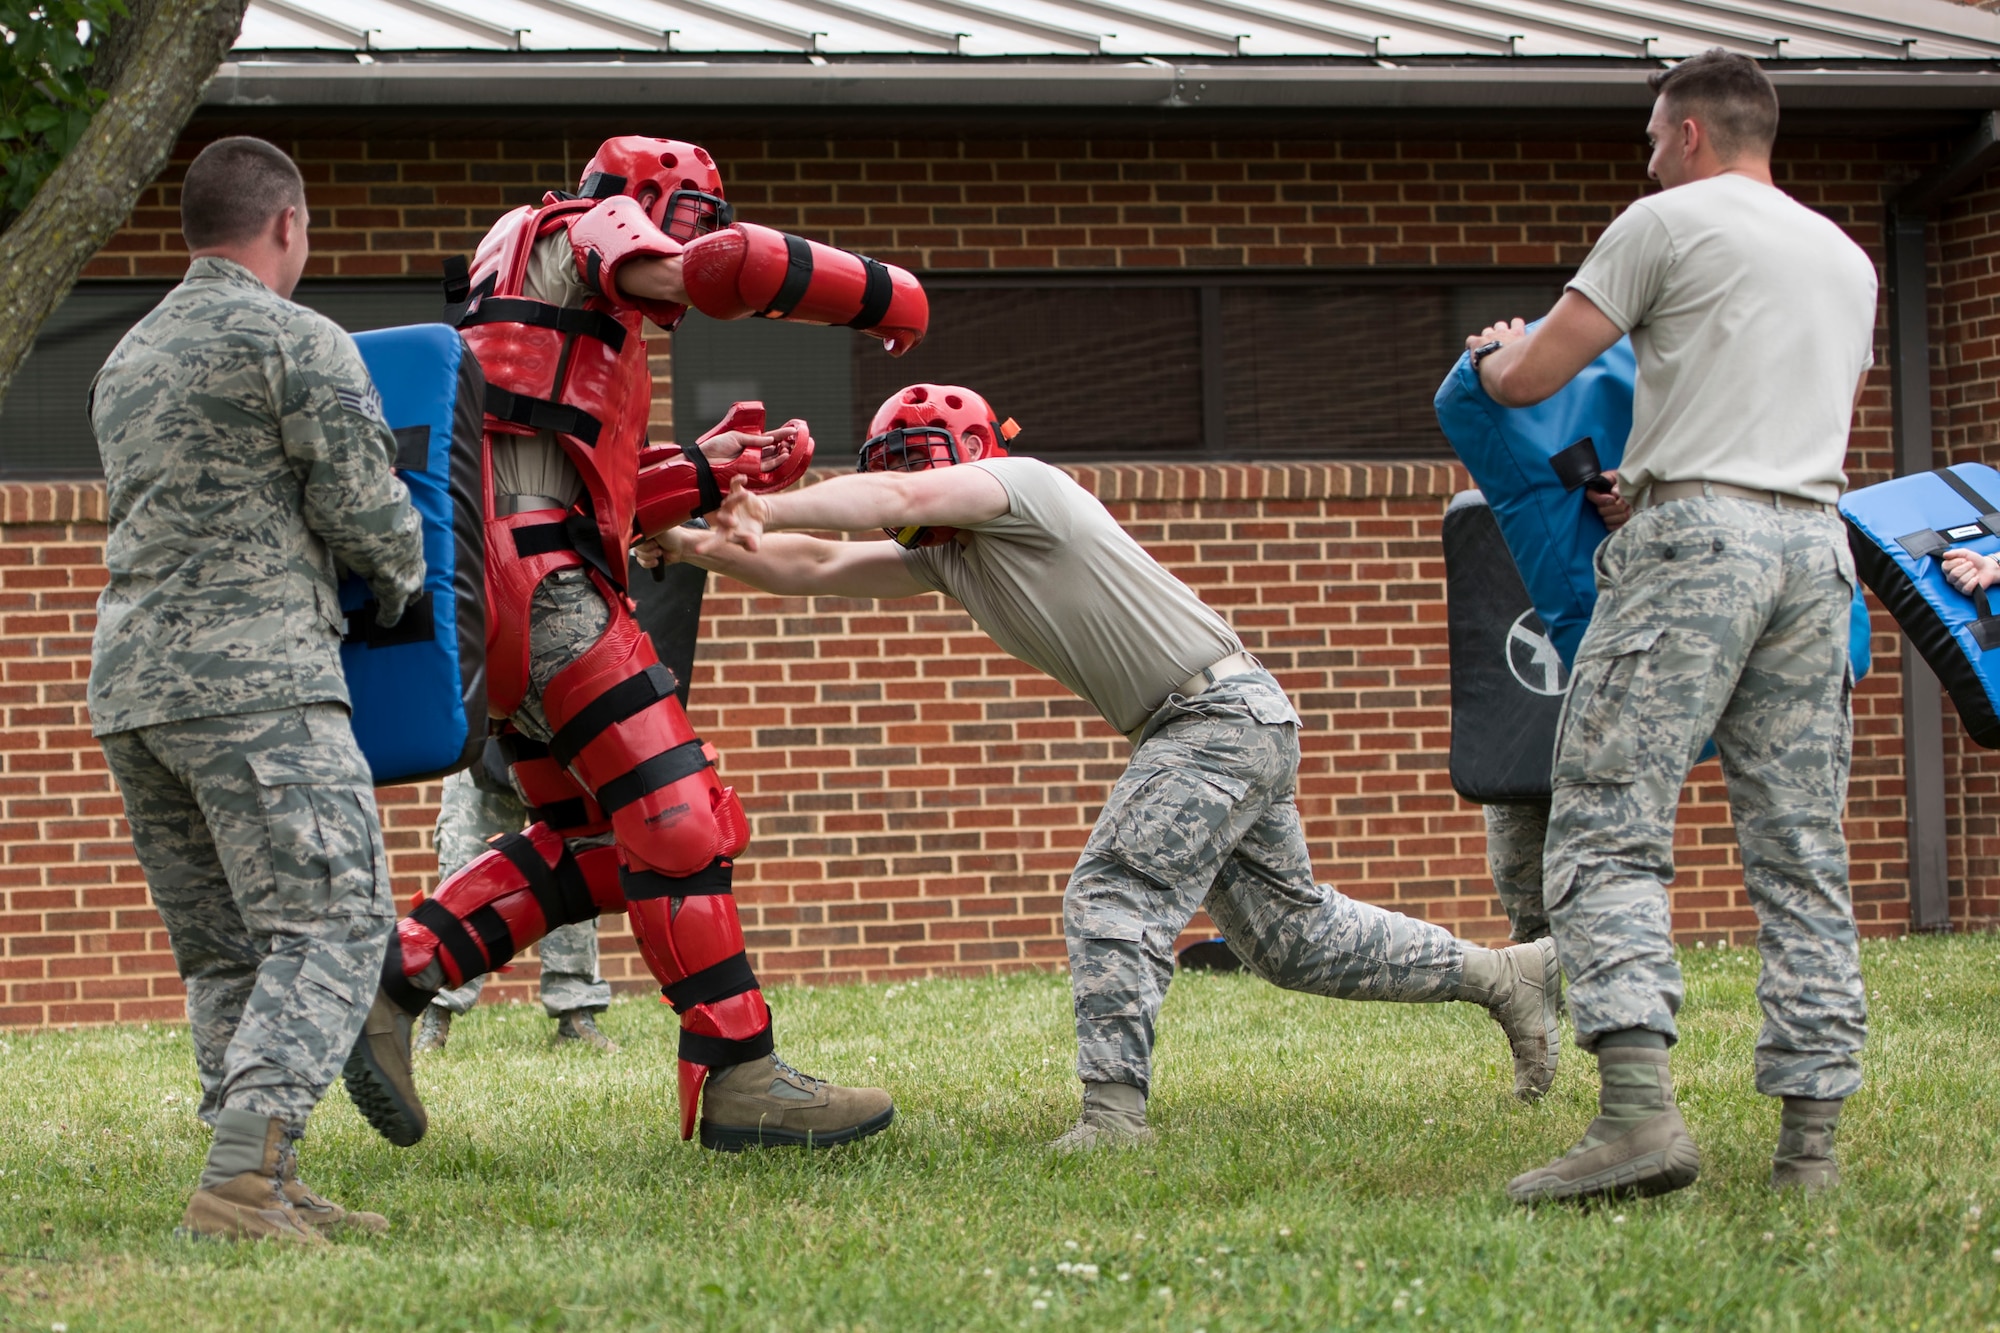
column 628, row 813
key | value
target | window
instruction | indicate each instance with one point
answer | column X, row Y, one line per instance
column 44, row 427
column 1237, row 367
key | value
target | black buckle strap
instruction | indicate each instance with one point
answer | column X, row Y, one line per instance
column 540, row 314
column 561, row 815
column 798, row 277
column 711, row 881
column 704, row 481
column 875, row 297
column 600, row 185
column 542, row 539
column 731, row 976
column 418, row 625
column 627, row 698
column 396, row 983
column 491, row 928
column 662, row 770
column 542, row 414
column 561, row 893
column 519, row 747
column 720, row 1052
column 453, row 936
column 1577, row 466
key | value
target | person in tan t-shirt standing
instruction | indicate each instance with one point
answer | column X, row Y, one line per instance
column 1722, row 611
column 1203, row 816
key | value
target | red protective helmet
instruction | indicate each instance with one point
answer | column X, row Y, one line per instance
column 927, row 426
column 676, row 183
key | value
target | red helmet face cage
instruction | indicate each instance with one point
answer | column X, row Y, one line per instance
column 676, row 183
column 923, row 427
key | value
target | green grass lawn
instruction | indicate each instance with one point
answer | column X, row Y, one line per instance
column 1321, row 1165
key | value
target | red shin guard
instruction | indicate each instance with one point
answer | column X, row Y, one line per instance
column 693, row 943
column 497, row 905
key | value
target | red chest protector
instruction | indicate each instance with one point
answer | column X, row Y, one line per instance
column 579, row 371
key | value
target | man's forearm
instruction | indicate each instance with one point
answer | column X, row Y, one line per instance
column 854, row 503
column 787, row 564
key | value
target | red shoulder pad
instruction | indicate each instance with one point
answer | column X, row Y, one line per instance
column 609, row 235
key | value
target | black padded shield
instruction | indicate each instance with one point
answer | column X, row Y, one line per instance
column 1507, row 682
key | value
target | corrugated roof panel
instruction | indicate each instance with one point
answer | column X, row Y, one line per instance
column 1356, row 29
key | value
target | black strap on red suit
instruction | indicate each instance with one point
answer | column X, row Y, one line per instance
column 563, row 319
column 798, row 277
column 711, row 985
column 457, row 280
column 561, row 892
column 711, row 881
column 535, row 539
column 396, row 984
column 704, row 481
column 600, row 185
column 494, row 936
column 541, row 414
column 718, row 1052
column 627, row 698
column 453, row 936
column 875, row 297
column 561, row 815
column 662, row 770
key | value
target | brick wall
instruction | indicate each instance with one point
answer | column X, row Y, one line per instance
column 917, row 796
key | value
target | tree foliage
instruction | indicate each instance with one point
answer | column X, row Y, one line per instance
column 47, row 96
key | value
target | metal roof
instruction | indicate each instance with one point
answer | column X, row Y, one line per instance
column 1370, row 30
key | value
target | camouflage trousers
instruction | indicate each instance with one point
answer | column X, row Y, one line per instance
column 263, row 852
column 1205, row 815
column 1515, row 833
column 1726, row 618
column 469, row 816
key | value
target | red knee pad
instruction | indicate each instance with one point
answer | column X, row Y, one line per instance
column 498, row 904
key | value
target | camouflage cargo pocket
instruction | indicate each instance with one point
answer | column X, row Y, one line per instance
column 1172, row 825
column 324, row 840
column 1597, row 739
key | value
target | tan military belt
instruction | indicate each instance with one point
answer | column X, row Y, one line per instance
column 503, row 505
column 1238, row 663
column 1660, row 492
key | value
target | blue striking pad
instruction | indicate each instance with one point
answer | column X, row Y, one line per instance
column 419, row 687
column 1534, row 467
column 1898, row 529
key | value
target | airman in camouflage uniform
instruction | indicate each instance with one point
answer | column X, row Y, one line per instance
column 1515, row 832
column 1723, row 610
column 246, row 462
column 572, row 990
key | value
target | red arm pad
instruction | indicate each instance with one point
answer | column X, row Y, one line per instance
column 746, row 270
column 671, row 491
column 608, row 236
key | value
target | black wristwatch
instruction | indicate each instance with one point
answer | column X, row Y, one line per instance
column 1484, row 350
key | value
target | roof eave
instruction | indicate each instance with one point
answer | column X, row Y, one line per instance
column 1152, row 85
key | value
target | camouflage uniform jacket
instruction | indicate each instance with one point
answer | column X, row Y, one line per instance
column 245, row 454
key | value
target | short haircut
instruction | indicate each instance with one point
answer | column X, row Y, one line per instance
column 1729, row 94
column 234, row 187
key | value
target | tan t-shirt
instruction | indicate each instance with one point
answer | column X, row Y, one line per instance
column 1753, row 318
column 1061, row 586
column 536, row 464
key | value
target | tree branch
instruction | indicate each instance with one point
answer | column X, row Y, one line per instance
column 155, row 64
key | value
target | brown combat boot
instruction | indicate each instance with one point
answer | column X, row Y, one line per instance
column 378, row 1075
column 1114, row 1116
column 1637, row 1146
column 1521, row 987
column 241, row 1195
column 1804, row 1160
column 767, row 1103
column 317, row 1211
column 578, row 1027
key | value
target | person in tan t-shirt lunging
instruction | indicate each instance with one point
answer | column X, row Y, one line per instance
column 1205, row 813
